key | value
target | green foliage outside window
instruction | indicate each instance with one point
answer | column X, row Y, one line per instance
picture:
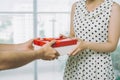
column 116, row 61
column 5, row 23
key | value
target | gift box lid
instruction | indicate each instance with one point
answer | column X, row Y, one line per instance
column 60, row 42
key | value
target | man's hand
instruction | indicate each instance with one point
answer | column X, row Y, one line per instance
column 48, row 53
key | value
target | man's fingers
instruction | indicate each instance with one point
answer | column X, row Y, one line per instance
column 53, row 57
column 57, row 54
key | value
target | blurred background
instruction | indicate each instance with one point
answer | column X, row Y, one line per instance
column 21, row 20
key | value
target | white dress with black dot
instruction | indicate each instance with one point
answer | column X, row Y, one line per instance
column 93, row 27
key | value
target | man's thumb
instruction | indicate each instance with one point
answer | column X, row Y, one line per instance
column 52, row 42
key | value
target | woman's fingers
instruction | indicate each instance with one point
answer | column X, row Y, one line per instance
column 63, row 36
column 78, row 50
column 73, row 51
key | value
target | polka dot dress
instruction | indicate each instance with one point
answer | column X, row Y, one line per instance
column 93, row 27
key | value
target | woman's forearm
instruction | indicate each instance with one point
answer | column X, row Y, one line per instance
column 101, row 47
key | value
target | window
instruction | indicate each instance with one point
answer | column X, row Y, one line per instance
column 52, row 20
column 16, row 19
column 21, row 20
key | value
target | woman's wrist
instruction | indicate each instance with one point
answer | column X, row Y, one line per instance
column 86, row 45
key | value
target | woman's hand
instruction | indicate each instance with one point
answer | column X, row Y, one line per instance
column 63, row 36
column 81, row 45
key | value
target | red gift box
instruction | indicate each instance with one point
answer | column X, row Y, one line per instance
column 60, row 42
column 62, row 45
